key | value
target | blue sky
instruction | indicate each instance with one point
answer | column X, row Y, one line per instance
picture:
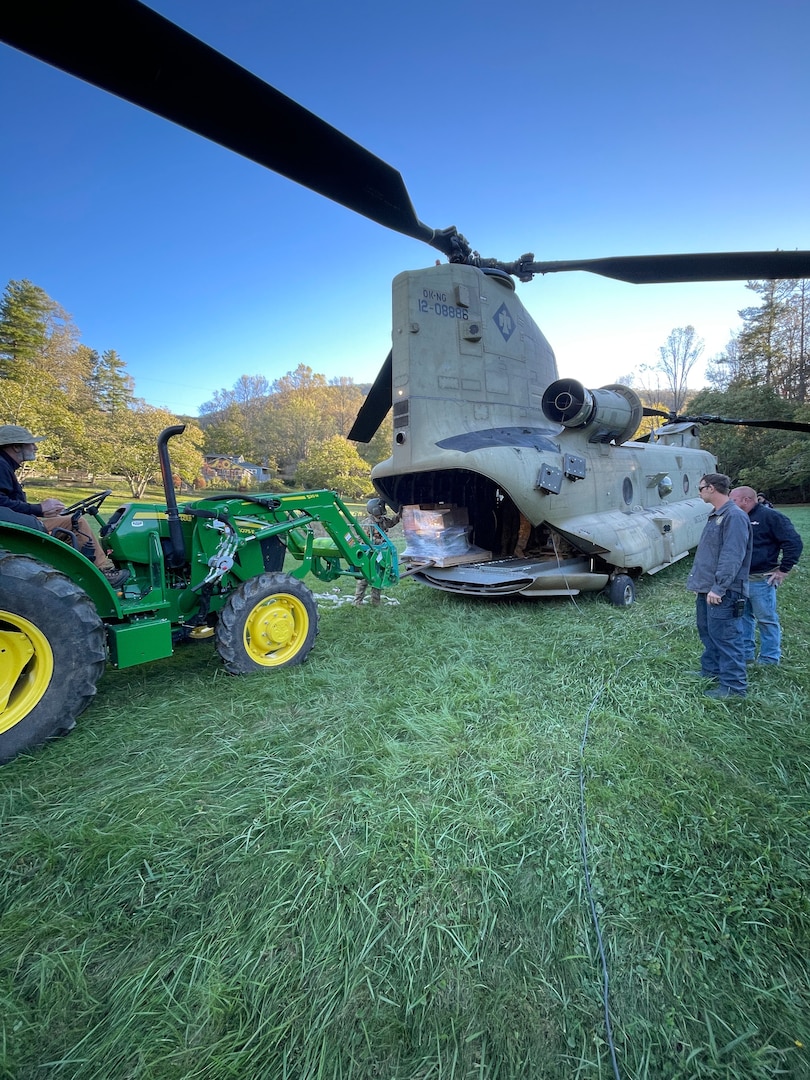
column 573, row 131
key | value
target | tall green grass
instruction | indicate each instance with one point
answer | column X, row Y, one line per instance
column 371, row 866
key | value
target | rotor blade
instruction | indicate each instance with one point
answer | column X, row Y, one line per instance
column 712, row 266
column 376, row 405
column 780, row 425
column 674, row 418
column 130, row 50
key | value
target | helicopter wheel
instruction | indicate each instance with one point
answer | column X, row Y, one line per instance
column 622, row 591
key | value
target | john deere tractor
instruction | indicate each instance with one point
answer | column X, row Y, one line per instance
column 210, row 568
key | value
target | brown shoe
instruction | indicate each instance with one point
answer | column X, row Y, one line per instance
column 116, row 577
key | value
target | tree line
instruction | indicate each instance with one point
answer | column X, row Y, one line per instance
column 83, row 402
column 80, row 400
column 763, row 374
column 296, row 427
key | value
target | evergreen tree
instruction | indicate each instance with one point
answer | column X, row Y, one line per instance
column 774, row 343
column 112, row 386
column 35, row 329
column 26, row 313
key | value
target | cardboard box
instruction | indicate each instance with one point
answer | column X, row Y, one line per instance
column 431, row 521
column 440, row 534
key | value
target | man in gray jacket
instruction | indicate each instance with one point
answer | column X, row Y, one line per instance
column 719, row 577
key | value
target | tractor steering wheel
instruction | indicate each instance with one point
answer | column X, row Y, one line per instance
column 89, row 505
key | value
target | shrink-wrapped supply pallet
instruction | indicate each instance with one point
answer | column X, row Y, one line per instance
column 440, row 535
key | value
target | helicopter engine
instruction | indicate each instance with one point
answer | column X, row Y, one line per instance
column 610, row 414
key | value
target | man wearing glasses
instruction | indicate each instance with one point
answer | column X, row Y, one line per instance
column 719, row 577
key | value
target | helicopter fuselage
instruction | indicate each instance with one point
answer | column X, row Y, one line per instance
column 558, row 499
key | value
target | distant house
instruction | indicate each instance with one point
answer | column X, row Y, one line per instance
column 234, row 471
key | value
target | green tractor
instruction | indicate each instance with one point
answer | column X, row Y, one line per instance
column 210, row 568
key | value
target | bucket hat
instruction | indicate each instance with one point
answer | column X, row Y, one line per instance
column 11, row 434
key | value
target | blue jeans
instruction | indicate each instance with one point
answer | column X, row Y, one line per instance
column 723, row 642
column 760, row 611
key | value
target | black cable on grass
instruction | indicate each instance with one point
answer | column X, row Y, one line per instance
column 583, row 843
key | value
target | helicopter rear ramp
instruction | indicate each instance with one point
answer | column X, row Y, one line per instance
column 513, row 576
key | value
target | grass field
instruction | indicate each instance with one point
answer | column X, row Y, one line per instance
column 385, row 864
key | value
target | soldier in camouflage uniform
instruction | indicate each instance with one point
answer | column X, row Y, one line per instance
column 376, row 517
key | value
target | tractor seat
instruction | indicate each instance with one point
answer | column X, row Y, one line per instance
column 324, row 548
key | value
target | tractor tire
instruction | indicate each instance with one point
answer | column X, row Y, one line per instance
column 53, row 651
column 270, row 621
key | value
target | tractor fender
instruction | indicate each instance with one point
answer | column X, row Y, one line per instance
column 47, row 549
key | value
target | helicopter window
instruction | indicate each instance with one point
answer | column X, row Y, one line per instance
column 685, row 484
column 665, row 486
column 401, row 414
column 627, row 490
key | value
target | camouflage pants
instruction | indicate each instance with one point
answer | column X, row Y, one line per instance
column 360, row 592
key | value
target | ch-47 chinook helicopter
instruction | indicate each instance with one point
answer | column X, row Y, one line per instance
column 558, row 496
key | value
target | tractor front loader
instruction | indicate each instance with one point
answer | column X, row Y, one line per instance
column 210, row 568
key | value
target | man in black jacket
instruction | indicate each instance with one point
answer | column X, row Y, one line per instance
column 17, row 445
column 777, row 547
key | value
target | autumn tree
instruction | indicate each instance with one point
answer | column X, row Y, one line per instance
column 297, row 419
column 343, row 399
column 32, row 400
column 378, row 448
column 48, row 376
column 134, row 453
column 679, row 355
column 236, row 421
column 279, row 424
column 335, row 464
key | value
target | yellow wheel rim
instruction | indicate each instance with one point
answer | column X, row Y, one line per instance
column 276, row 629
column 26, row 668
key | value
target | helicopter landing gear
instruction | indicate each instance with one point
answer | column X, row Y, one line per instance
column 621, row 591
